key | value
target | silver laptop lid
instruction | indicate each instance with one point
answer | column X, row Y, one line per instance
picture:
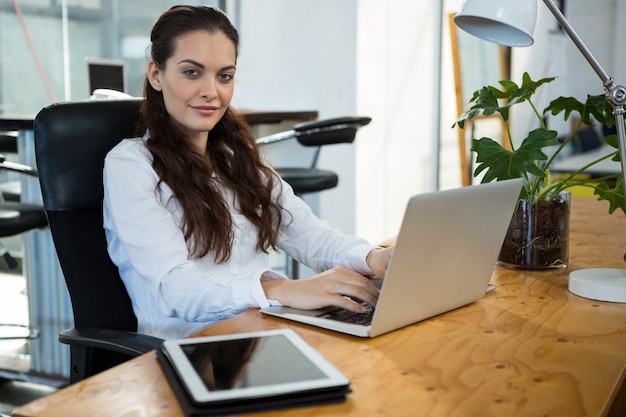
column 445, row 252
column 444, row 257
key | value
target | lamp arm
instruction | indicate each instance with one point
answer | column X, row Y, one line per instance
column 615, row 94
column 618, row 111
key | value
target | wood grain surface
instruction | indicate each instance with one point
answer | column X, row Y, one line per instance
column 529, row 348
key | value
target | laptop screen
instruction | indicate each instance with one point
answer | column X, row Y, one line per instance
column 107, row 74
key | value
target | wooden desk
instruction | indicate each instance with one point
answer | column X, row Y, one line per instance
column 530, row 348
column 16, row 121
column 255, row 117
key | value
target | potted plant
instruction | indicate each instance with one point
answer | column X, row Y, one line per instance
column 538, row 234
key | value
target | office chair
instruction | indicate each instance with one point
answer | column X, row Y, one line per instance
column 71, row 142
column 316, row 134
column 311, row 179
column 10, row 190
column 8, row 141
column 16, row 217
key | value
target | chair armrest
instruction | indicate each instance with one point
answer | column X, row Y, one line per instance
column 129, row 343
column 342, row 124
column 276, row 137
column 335, row 123
column 14, row 166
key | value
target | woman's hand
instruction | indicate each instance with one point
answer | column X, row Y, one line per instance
column 338, row 287
column 378, row 261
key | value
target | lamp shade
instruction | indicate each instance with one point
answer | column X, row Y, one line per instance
column 506, row 22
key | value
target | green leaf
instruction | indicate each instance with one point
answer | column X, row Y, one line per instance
column 529, row 87
column 484, row 103
column 490, row 100
column 615, row 196
column 613, row 141
column 501, row 164
column 520, row 93
column 565, row 104
column 509, row 87
column 596, row 106
column 602, row 111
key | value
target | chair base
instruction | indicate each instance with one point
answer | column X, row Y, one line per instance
column 292, row 267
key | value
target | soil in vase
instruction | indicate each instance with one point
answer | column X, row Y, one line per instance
column 538, row 235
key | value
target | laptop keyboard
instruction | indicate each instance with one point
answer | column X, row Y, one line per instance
column 347, row 316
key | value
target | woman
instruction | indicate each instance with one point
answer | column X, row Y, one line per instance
column 191, row 210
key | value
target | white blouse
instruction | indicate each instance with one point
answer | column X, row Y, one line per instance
column 174, row 294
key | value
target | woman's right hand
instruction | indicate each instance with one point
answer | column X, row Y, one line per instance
column 338, row 287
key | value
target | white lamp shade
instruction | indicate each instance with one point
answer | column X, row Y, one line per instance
column 506, row 22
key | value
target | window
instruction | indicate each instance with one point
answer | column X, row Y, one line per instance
column 42, row 53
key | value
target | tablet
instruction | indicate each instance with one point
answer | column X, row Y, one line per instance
column 253, row 365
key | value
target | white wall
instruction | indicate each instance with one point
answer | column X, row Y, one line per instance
column 397, row 72
column 367, row 57
column 619, row 62
column 301, row 55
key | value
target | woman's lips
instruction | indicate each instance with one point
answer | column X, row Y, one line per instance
column 206, row 110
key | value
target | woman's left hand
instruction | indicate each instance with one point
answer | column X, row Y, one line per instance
column 378, row 260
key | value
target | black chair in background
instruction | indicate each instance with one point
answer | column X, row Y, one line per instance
column 71, row 142
column 316, row 134
column 8, row 142
column 10, row 190
column 17, row 217
column 311, row 179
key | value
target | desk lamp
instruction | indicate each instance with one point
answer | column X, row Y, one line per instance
column 512, row 23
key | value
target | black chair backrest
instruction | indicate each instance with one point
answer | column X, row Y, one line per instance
column 71, row 142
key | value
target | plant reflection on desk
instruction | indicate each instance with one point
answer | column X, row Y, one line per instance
column 222, row 365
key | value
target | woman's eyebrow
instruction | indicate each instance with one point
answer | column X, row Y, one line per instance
column 191, row 61
column 201, row 66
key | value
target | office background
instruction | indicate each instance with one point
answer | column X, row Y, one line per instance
column 378, row 58
column 387, row 59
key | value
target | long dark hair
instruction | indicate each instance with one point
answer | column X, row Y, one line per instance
column 232, row 158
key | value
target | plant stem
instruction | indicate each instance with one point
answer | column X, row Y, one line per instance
column 508, row 133
column 561, row 185
column 537, row 182
column 566, row 142
column 532, row 105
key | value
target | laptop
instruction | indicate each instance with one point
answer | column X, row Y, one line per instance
column 444, row 256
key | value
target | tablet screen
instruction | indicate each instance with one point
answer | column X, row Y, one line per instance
column 250, row 365
column 249, row 362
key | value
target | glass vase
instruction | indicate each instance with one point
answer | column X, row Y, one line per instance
column 538, row 235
